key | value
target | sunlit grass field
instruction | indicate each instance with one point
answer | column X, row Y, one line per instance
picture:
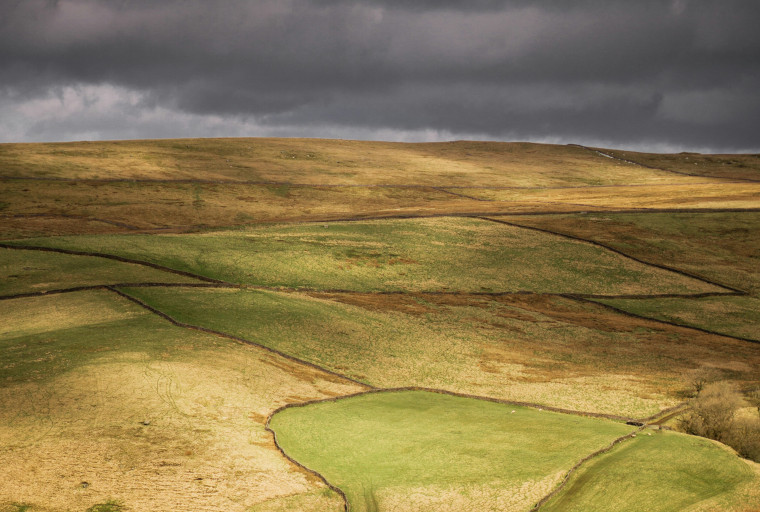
column 467, row 255
column 661, row 471
column 327, row 161
column 438, row 452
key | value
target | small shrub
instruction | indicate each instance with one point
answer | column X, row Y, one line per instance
column 753, row 397
column 713, row 415
column 744, row 437
column 712, row 411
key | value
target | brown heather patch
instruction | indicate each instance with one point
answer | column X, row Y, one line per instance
column 32, row 227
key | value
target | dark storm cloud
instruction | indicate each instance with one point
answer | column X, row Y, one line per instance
column 680, row 72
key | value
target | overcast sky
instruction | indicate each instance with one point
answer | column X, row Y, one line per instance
column 666, row 75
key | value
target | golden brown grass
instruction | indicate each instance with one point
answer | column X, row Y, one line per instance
column 564, row 347
column 715, row 194
column 739, row 166
column 313, row 162
column 162, row 431
column 319, row 161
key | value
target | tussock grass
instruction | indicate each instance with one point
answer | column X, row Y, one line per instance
column 397, row 443
column 467, row 255
column 661, row 471
column 179, row 206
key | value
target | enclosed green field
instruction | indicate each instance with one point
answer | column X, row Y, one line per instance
column 735, row 316
column 660, row 472
column 35, row 271
column 721, row 246
column 426, row 451
column 468, row 255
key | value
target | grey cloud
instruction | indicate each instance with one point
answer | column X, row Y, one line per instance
column 679, row 71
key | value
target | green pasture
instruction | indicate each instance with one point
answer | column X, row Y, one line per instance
column 431, row 254
column 35, row 271
column 721, row 246
column 735, row 316
column 659, row 472
column 381, row 447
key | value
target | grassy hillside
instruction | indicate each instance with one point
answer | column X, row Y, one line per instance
column 560, row 277
column 316, row 161
column 722, row 246
column 180, row 185
column 34, row 271
column 531, row 348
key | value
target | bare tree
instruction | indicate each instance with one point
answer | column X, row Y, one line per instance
column 702, row 376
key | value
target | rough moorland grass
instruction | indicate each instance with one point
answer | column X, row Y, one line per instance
column 151, row 415
column 432, row 254
column 390, row 447
column 721, row 246
column 327, row 161
column 34, row 271
column 662, row 471
column 713, row 194
column 531, row 348
column 178, row 206
column 735, row 316
column 739, row 166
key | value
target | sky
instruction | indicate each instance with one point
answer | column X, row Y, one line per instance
column 650, row 75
